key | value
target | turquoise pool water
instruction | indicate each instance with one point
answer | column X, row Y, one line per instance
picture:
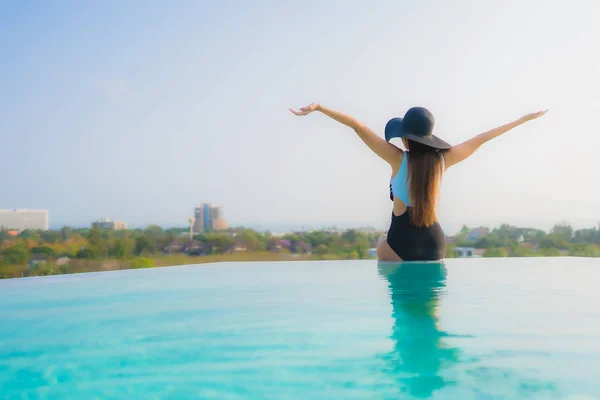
column 469, row 329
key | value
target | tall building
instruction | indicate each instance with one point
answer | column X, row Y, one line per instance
column 209, row 218
column 20, row 220
column 199, row 219
column 215, row 212
column 119, row 225
column 106, row 223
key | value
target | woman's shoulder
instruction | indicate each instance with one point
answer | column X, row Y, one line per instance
column 397, row 161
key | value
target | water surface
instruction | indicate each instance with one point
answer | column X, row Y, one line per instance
column 466, row 329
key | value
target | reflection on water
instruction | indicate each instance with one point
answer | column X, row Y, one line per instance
column 419, row 353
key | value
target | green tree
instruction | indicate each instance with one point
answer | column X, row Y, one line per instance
column 87, row 253
column 562, row 230
column 554, row 241
column 450, row 251
column 488, row 241
column 28, row 234
column 460, row 239
column 66, row 233
column 350, row 236
column 118, row 249
column 559, row 237
column 162, row 241
column 202, row 237
column 153, row 230
column 518, row 250
column 353, row 255
column 143, row 245
column 321, row 250
column 495, row 252
column 584, row 250
column 533, row 236
column 45, row 250
column 547, row 242
column 122, row 248
column 362, row 246
column 4, row 234
column 248, row 239
column 95, row 236
column 17, row 254
column 175, row 232
column 222, row 243
column 51, row 236
column 317, row 238
column 589, row 236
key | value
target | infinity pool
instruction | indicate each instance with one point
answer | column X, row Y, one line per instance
column 467, row 329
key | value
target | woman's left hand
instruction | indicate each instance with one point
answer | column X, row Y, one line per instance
column 306, row 110
column 532, row 116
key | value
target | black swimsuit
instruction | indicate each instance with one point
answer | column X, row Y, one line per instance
column 416, row 243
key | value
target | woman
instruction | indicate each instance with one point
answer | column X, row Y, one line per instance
column 415, row 233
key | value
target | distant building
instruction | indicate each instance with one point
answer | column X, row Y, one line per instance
column 208, row 217
column 219, row 224
column 215, row 213
column 37, row 259
column 467, row 252
column 194, row 248
column 278, row 234
column 19, row 220
column 106, row 223
column 175, row 246
column 367, row 229
column 62, row 261
column 476, row 233
column 199, row 219
column 120, row 226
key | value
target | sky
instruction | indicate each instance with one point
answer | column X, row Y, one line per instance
column 141, row 110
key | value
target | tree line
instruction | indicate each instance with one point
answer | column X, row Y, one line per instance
column 80, row 247
column 137, row 248
column 512, row 241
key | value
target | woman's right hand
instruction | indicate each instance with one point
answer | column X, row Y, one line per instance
column 306, row 110
column 532, row 116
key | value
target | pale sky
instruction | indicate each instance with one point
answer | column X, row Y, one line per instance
column 139, row 111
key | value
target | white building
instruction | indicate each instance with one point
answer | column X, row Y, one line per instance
column 106, row 223
column 468, row 252
column 24, row 219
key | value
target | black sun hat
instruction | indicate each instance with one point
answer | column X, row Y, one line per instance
column 416, row 125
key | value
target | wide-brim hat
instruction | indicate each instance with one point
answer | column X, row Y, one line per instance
column 416, row 125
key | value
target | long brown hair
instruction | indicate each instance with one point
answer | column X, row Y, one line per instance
column 424, row 173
